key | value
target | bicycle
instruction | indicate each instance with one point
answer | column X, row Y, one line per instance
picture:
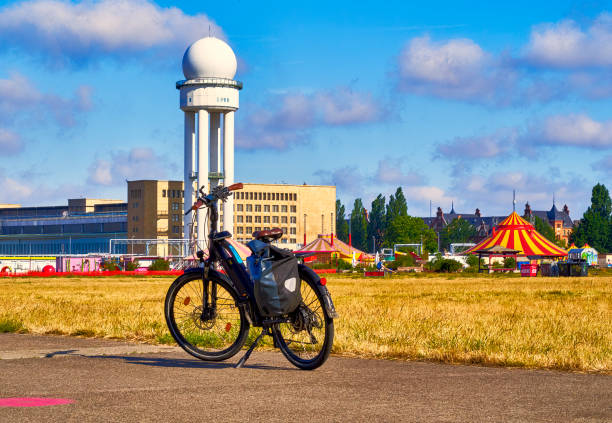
column 210, row 308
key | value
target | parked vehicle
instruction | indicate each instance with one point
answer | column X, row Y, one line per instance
column 209, row 309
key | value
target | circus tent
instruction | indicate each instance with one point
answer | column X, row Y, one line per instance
column 516, row 233
column 328, row 246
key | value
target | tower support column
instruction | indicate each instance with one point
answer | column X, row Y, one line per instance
column 215, row 146
column 203, row 126
column 188, row 198
column 228, row 169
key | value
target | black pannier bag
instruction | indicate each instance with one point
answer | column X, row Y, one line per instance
column 277, row 281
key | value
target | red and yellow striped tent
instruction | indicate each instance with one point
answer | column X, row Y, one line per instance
column 516, row 233
column 327, row 247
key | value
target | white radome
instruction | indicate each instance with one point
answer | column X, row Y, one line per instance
column 209, row 58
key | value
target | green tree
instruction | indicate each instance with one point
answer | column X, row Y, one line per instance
column 359, row 225
column 397, row 206
column 544, row 229
column 377, row 223
column 459, row 230
column 341, row 223
column 595, row 227
column 409, row 230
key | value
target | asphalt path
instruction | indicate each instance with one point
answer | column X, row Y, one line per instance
column 116, row 381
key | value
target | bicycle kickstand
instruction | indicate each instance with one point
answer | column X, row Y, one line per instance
column 250, row 350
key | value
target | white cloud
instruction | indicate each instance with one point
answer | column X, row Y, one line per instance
column 564, row 45
column 19, row 97
column 138, row 163
column 13, row 190
column 10, row 143
column 390, row 172
column 605, row 164
column 478, row 147
column 456, row 69
column 287, row 119
column 576, row 130
column 492, row 193
column 86, row 30
column 343, row 107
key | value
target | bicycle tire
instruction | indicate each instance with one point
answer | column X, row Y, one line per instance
column 300, row 356
column 205, row 339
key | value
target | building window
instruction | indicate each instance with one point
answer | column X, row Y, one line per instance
column 258, row 208
column 274, row 219
column 293, row 241
column 284, row 230
column 176, row 229
column 257, row 228
column 239, row 230
column 295, row 197
column 283, row 219
column 175, row 206
column 164, row 193
column 249, row 229
column 275, row 208
column 249, row 207
column 135, row 205
column 266, row 219
column 293, row 219
column 239, row 219
column 257, row 219
column 249, row 219
column 292, row 231
column 250, row 195
column 293, row 209
column 260, row 196
column 239, row 207
column 284, row 209
column 266, row 208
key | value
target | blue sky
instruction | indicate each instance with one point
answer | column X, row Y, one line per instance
column 453, row 101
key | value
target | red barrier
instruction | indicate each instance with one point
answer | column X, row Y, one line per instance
column 94, row 274
column 375, row 273
column 320, row 271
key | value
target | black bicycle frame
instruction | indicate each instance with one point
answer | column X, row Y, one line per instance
column 221, row 251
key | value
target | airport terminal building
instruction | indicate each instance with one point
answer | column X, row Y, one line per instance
column 83, row 226
column 153, row 212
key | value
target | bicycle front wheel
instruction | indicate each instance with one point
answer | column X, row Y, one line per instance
column 306, row 338
column 213, row 332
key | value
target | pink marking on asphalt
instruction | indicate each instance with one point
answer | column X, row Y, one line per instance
column 33, row 402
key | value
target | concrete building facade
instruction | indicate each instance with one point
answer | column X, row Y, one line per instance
column 301, row 211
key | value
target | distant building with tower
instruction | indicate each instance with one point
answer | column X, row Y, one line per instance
column 560, row 221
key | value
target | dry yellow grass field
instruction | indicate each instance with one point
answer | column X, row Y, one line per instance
column 559, row 323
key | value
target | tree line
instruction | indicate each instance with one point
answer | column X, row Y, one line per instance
column 389, row 223
column 386, row 224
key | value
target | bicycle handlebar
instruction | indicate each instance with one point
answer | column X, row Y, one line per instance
column 217, row 193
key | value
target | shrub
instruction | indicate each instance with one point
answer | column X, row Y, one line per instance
column 160, row 264
column 132, row 265
column 509, row 263
column 110, row 265
column 472, row 260
column 401, row 261
column 444, row 265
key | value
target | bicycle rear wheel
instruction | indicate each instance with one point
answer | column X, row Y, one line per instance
column 212, row 333
column 306, row 338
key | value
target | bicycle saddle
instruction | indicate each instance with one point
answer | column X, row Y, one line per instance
column 268, row 235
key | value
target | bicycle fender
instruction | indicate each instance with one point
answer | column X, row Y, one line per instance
column 327, row 300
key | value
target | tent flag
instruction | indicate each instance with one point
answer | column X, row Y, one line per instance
column 516, row 233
